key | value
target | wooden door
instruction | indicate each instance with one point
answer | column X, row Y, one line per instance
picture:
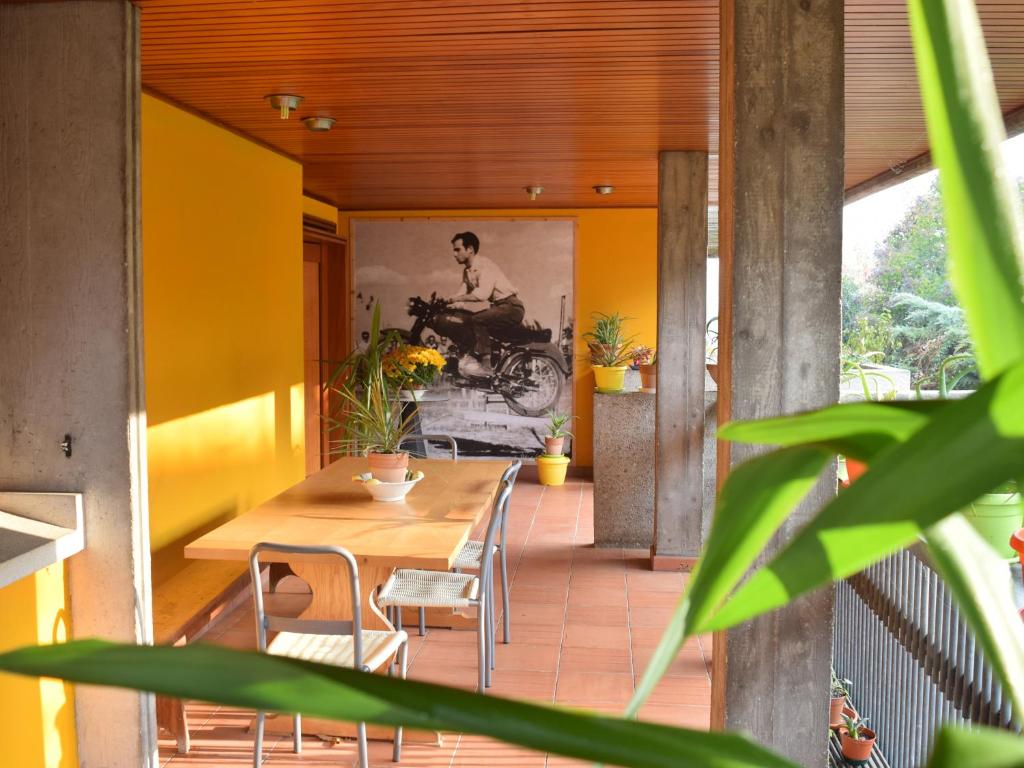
column 325, row 289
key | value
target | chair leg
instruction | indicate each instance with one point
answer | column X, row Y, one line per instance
column 257, row 755
column 506, row 620
column 398, row 618
column 364, row 761
column 297, row 735
column 481, row 650
column 403, row 654
column 490, row 631
column 423, row 621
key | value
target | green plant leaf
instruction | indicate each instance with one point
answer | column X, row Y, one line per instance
column 279, row 684
column 977, row 748
column 980, row 581
column 860, row 430
column 757, row 499
column 967, row 447
column 983, row 218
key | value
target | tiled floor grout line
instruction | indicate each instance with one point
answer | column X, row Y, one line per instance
column 565, row 610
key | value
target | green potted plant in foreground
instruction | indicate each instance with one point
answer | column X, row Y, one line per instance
column 610, row 351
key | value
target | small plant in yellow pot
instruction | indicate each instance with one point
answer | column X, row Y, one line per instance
column 551, row 470
column 610, row 351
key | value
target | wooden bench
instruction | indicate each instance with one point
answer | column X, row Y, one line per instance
column 185, row 605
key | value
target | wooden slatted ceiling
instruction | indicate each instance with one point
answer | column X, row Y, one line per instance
column 459, row 104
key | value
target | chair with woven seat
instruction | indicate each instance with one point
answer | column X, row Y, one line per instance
column 471, row 556
column 421, row 441
column 338, row 643
column 411, row 588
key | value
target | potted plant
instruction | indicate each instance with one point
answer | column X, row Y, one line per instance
column 551, row 470
column 856, row 739
column 997, row 516
column 368, row 415
column 839, row 693
column 554, row 440
column 609, row 351
column 646, row 361
column 853, row 368
column 413, row 368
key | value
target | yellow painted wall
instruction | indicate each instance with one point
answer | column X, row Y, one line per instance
column 222, row 271
column 320, row 210
column 616, row 271
column 37, row 717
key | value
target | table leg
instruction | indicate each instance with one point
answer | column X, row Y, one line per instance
column 332, row 595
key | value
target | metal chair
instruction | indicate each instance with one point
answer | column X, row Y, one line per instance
column 410, row 588
column 471, row 556
column 339, row 643
column 424, row 439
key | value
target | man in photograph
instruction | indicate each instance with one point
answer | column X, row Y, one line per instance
column 491, row 298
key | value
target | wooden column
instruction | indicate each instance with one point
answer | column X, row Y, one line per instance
column 781, row 198
column 71, row 323
column 682, row 299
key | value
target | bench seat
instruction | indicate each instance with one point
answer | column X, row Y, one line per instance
column 184, row 605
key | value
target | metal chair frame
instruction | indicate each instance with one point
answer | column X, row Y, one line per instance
column 268, row 623
column 485, row 616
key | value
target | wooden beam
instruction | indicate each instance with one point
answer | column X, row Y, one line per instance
column 916, row 166
column 679, row 420
column 781, row 249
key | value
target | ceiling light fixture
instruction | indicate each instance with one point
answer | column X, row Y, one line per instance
column 533, row 191
column 319, row 124
column 285, row 102
column 604, row 189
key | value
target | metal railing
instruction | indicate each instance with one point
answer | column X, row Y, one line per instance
column 913, row 664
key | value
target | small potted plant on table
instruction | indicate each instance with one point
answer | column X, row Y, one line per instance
column 646, row 361
column 609, row 352
column 856, row 739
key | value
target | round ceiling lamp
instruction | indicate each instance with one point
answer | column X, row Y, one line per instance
column 319, row 124
column 285, row 102
column 533, row 191
column 604, row 189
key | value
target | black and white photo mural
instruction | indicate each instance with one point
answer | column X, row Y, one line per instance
column 495, row 298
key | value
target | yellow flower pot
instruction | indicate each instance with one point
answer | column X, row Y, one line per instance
column 552, row 469
column 610, row 378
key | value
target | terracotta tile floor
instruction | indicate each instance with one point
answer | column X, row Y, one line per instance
column 584, row 623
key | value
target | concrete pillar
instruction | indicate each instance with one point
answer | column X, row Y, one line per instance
column 781, row 198
column 70, row 322
column 682, row 286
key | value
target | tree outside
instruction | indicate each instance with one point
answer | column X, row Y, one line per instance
column 902, row 311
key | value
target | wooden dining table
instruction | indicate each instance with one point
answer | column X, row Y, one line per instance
column 426, row 530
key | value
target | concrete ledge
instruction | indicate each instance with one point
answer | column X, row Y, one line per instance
column 38, row 530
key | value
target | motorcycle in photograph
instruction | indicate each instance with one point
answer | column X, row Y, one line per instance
column 529, row 371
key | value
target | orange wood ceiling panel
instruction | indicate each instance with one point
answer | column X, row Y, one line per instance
column 460, row 104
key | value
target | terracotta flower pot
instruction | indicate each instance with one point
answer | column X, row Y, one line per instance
column 553, row 445
column 713, row 370
column 649, row 377
column 835, row 711
column 857, row 751
column 389, row 467
column 835, row 723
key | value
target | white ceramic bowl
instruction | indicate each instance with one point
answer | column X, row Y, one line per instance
column 387, row 491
